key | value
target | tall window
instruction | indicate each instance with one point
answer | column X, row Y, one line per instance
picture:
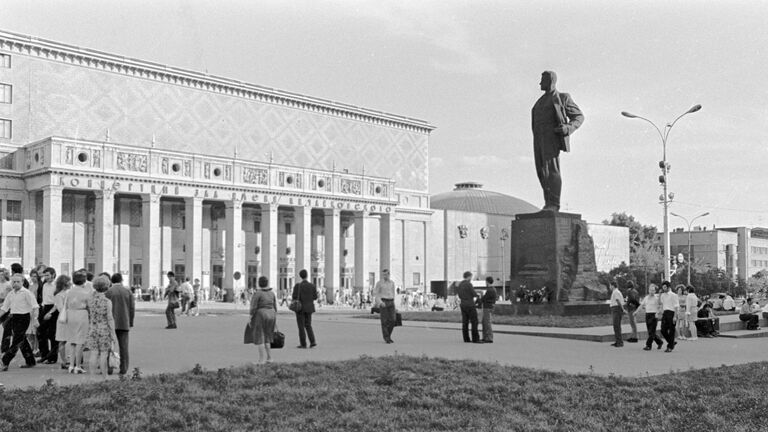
column 5, row 128
column 5, row 61
column 13, row 247
column 13, row 210
column 5, row 93
column 6, row 160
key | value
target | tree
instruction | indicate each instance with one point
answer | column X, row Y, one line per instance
column 640, row 236
column 646, row 260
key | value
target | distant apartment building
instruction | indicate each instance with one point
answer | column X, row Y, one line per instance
column 739, row 251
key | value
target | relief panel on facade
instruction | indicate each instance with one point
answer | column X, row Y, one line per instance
column 131, row 162
column 349, row 186
column 255, row 175
column 96, row 158
column 207, row 170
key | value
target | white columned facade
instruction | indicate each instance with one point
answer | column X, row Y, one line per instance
column 28, row 228
column 303, row 219
column 361, row 251
column 105, row 231
column 269, row 257
column 385, row 241
column 124, row 239
column 234, row 258
column 52, row 244
column 193, row 252
column 332, row 244
column 150, row 248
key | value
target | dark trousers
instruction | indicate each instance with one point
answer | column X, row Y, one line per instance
column 650, row 325
column 185, row 306
column 549, row 177
column 387, row 317
column 469, row 316
column 170, row 315
column 46, row 334
column 708, row 326
column 752, row 320
column 616, row 313
column 304, row 321
column 668, row 328
column 19, row 324
column 122, row 343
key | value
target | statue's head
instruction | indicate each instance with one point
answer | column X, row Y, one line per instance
column 548, row 80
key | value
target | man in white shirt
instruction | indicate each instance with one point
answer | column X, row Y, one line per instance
column 617, row 311
column 22, row 306
column 670, row 303
column 384, row 291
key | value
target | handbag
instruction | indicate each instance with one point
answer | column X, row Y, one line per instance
column 295, row 306
column 248, row 334
column 398, row 319
column 63, row 313
column 278, row 340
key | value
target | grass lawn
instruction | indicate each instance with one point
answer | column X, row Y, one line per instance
column 397, row 394
column 521, row 320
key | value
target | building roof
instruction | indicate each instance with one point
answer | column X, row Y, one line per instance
column 470, row 197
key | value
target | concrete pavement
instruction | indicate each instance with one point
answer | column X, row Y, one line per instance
column 214, row 340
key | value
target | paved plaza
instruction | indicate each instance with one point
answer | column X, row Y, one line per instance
column 214, row 340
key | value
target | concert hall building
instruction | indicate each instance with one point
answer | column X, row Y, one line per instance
column 122, row 165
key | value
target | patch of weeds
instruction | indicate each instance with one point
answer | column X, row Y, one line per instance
column 136, row 374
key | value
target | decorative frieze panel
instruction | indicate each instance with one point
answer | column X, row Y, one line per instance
column 131, row 162
column 378, row 189
column 351, row 187
column 320, row 182
column 256, row 176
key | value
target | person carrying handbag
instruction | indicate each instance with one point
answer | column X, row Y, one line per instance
column 263, row 319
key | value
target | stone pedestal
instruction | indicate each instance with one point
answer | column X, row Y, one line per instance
column 553, row 251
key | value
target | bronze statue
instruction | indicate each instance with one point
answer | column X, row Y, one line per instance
column 555, row 116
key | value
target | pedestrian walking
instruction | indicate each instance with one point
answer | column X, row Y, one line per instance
column 384, row 294
column 305, row 293
column 670, row 305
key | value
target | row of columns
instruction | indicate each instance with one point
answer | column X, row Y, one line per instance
column 235, row 242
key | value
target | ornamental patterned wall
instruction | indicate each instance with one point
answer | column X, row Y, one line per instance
column 53, row 98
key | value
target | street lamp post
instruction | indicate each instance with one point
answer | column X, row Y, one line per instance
column 503, row 238
column 666, row 197
column 690, row 260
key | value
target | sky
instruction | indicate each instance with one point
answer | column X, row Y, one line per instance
column 472, row 69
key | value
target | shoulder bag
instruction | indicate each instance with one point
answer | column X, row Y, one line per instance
column 63, row 312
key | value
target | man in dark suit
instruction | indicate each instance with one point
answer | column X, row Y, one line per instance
column 306, row 293
column 554, row 117
column 123, row 311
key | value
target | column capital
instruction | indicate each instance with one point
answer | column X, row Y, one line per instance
column 150, row 197
column 234, row 204
column 332, row 212
column 53, row 190
column 193, row 200
column 361, row 214
column 104, row 194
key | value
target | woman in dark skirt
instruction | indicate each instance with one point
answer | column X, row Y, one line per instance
column 263, row 317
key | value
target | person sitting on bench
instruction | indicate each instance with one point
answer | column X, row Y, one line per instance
column 748, row 316
column 708, row 324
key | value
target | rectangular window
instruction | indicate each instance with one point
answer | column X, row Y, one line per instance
column 5, row 93
column 5, row 61
column 6, row 160
column 416, row 279
column 288, row 228
column 5, row 128
column 13, row 247
column 13, row 210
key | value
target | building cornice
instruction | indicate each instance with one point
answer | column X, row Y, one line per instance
column 84, row 57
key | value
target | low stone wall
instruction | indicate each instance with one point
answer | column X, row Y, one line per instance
column 562, row 309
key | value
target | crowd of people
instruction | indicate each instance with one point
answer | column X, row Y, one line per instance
column 55, row 319
column 681, row 314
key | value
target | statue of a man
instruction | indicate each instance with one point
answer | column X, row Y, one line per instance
column 554, row 118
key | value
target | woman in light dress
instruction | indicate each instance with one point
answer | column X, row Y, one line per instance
column 691, row 312
column 101, row 327
column 63, row 284
column 77, row 320
column 682, row 324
